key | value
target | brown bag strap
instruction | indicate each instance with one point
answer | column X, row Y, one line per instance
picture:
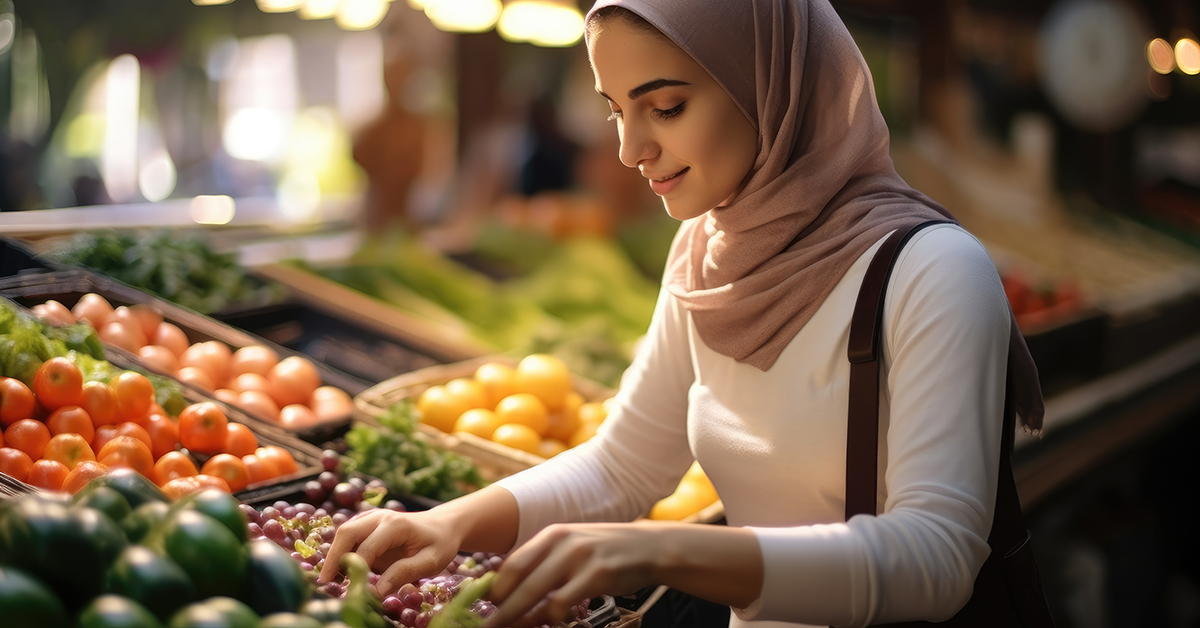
column 862, row 433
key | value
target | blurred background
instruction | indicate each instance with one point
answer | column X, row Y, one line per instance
column 365, row 144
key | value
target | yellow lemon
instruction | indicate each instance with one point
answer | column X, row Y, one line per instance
column 525, row 409
column 497, row 379
column 585, row 432
column 546, row 377
column 564, row 423
column 440, row 408
column 686, row 501
column 518, row 436
column 592, row 412
column 469, row 390
column 478, row 421
column 551, row 447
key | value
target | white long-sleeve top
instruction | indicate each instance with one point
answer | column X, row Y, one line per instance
column 774, row 444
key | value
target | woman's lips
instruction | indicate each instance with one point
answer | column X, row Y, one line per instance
column 662, row 187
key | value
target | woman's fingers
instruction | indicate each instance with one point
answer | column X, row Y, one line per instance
column 349, row 535
column 425, row 561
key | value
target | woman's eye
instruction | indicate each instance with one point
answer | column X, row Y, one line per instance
column 664, row 114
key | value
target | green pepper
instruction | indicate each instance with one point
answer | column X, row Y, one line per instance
column 115, row 611
column 26, row 602
column 289, row 620
column 154, row 580
column 107, row 500
column 137, row 524
column 220, row 506
column 215, row 612
column 135, row 487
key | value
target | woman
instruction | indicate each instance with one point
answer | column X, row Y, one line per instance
column 756, row 123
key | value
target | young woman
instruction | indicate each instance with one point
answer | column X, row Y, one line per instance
column 756, row 123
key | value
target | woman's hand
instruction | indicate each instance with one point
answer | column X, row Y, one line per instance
column 566, row 563
column 400, row 546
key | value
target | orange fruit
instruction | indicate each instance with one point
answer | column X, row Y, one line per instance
column 173, row 464
column 71, row 419
column 279, row 458
column 518, row 436
column 593, row 412
column 228, row 467
column 129, row 428
column 164, row 435
column 69, row 449
column 551, row 447
column 239, row 440
column 202, row 428
column 564, row 423
column 469, row 390
column 525, row 409
column 478, row 421
column 84, row 472
column 440, row 408
column 57, row 383
column 258, row 470
column 135, row 395
column 174, row 489
column 100, row 402
column 585, row 432
column 48, row 474
column 546, row 377
column 127, row 451
column 15, row 463
column 16, row 401
column 497, row 381
column 28, row 435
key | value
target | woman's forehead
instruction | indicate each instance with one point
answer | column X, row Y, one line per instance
column 623, row 57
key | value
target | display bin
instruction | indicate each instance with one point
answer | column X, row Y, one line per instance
column 68, row 286
column 17, row 258
column 493, row 459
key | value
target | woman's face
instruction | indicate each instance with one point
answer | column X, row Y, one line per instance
column 677, row 126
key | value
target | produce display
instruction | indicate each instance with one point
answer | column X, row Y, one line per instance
column 68, row 416
column 286, row 391
column 532, row 407
column 585, row 302
column 1037, row 305
column 122, row 553
column 176, row 266
column 694, row 494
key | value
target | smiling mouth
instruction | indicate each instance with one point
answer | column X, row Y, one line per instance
column 672, row 176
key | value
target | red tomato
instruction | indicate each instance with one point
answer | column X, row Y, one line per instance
column 16, row 401
column 57, row 383
column 203, row 427
column 293, row 380
column 135, row 395
column 100, row 402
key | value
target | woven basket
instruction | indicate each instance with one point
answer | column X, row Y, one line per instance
column 493, row 459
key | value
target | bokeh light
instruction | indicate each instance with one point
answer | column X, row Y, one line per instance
column 1187, row 56
column 541, row 22
column 1160, row 55
column 463, row 16
column 212, row 210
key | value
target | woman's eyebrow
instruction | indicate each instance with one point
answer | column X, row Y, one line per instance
column 646, row 88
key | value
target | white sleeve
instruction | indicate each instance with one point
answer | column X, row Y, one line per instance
column 641, row 450
column 945, row 336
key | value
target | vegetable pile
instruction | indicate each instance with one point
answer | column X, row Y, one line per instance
column 68, row 416
column 120, row 553
column 289, row 392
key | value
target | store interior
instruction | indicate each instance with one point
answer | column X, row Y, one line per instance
column 389, row 186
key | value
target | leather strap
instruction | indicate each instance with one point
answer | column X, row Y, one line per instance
column 862, row 433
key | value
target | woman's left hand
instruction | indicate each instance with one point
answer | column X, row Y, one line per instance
column 564, row 564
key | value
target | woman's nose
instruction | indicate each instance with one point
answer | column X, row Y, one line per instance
column 636, row 145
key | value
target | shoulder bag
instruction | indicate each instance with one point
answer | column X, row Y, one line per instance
column 1008, row 591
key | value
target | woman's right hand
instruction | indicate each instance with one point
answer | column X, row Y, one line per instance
column 400, row 546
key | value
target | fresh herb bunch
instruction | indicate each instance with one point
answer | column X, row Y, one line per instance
column 178, row 267
column 408, row 465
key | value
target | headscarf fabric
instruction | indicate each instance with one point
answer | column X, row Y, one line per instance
column 821, row 192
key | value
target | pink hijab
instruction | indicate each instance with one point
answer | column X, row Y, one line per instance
column 822, row 190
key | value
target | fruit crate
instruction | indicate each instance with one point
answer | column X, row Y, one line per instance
column 68, row 286
column 493, row 459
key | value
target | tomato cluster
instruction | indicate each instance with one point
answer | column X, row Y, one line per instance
column 1036, row 306
column 287, row 391
column 64, row 431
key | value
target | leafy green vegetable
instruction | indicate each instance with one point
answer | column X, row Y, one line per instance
column 179, row 267
column 408, row 465
column 457, row 612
